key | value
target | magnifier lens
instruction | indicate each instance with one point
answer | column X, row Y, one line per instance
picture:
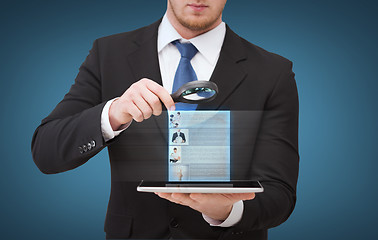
column 198, row 93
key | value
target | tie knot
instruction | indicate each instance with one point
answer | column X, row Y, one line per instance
column 187, row 50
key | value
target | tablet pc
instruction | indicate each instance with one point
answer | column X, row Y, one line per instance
column 240, row 186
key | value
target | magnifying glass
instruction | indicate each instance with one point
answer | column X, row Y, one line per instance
column 196, row 92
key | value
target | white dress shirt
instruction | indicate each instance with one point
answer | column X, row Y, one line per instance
column 209, row 46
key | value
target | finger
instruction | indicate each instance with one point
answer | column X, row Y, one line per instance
column 152, row 100
column 198, row 197
column 163, row 95
column 226, row 198
column 184, row 199
column 143, row 106
column 239, row 196
column 168, row 196
column 134, row 111
column 249, row 196
column 244, row 196
column 163, row 195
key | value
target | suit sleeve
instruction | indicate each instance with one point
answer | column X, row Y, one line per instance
column 183, row 137
column 71, row 134
column 275, row 160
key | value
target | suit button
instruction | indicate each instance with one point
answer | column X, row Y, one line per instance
column 93, row 143
column 89, row 146
column 174, row 223
column 85, row 148
column 80, row 149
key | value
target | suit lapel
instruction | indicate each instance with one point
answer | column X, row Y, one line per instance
column 144, row 63
column 228, row 73
column 144, row 60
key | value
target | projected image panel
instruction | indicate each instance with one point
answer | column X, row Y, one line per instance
column 199, row 146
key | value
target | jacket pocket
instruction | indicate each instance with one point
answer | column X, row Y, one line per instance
column 118, row 226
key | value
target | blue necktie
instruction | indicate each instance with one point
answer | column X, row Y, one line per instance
column 185, row 72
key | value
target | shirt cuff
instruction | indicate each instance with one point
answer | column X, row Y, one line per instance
column 232, row 219
column 106, row 128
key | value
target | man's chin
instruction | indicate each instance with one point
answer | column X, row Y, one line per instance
column 198, row 24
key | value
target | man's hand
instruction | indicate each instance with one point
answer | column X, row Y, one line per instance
column 139, row 102
column 214, row 205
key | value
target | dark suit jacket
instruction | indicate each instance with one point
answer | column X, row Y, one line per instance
column 250, row 80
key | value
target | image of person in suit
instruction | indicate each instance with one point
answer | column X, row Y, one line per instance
column 178, row 137
column 128, row 77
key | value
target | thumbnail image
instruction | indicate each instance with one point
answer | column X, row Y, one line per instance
column 175, row 154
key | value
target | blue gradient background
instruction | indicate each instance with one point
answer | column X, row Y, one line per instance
column 333, row 45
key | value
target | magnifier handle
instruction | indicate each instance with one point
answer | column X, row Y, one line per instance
column 175, row 96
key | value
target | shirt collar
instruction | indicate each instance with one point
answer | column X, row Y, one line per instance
column 208, row 44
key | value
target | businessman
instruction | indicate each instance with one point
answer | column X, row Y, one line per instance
column 178, row 137
column 119, row 100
